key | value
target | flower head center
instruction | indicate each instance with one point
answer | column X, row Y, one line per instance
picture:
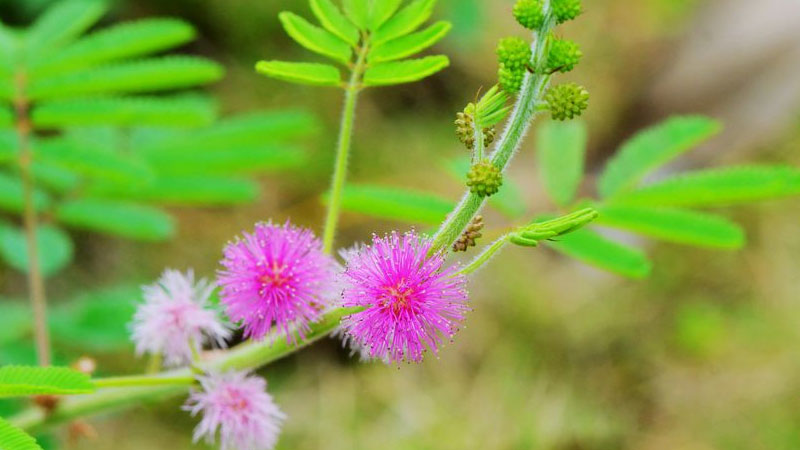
column 236, row 401
column 398, row 297
column 274, row 276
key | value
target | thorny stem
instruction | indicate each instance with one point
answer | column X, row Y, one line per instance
column 35, row 280
column 528, row 104
column 247, row 356
column 343, row 148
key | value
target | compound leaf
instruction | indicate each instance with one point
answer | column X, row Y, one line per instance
column 55, row 249
column 652, row 148
column 358, row 12
column 116, row 218
column 184, row 190
column 60, row 24
column 404, row 22
column 592, row 248
column 314, row 38
column 302, row 73
column 395, row 204
column 718, row 187
column 407, row 71
column 11, row 195
column 13, row 438
column 155, row 74
column 334, row 21
column 409, row 45
column 18, row 381
column 561, row 150
column 92, row 162
column 675, row 225
column 125, row 40
column 381, row 11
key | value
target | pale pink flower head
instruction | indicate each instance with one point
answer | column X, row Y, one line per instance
column 277, row 276
column 412, row 303
column 176, row 320
column 237, row 408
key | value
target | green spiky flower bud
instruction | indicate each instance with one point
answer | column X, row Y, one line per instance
column 567, row 101
column 465, row 128
column 529, row 13
column 565, row 10
column 484, row 179
column 510, row 80
column 564, row 55
column 514, row 53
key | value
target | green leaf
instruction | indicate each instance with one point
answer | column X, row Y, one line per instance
column 96, row 321
column 13, row 438
column 120, row 219
column 6, row 116
column 177, row 111
column 92, row 162
column 718, row 187
column 314, row 38
column 15, row 322
column 381, row 11
column 55, row 177
column 233, row 161
column 407, row 71
column 508, row 200
column 11, row 195
column 59, row 25
column 409, row 45
column 675, row 225
column 125, row 40
column 358, row 12
column 155, row 74
column 395, row 204
column 20, row 381
column 254, row 130
column 652, row 148
column 404, row 22
column 8, row 145
column 594, row 249
column 561, row 149
column 334, row 21
column 54, row 247
column 301, row 73
column 184, row 190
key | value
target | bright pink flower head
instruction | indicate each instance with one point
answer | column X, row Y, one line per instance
column 175, row 320
column 412, row 302
column 237, row 406
column 276, row 276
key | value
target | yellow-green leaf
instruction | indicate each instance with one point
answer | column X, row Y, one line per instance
column 334, row 21
column 381, row 11
column 398, row 72
column 406, row 21
column 594, row 249
column 358, row 12
column 314, row 38
column 303, row 73
column 409, row 45
column 12, row 438
column 18, row 381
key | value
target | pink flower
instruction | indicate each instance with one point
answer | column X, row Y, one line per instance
column 175, row 319
column 237, row 406
column 277, row 276
column 411, row 302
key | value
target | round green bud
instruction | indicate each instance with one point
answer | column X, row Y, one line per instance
column 565, row 10
column 567, row 101
column 529, row 13
column 514, row 53
column 465, row 127
column 484, row 179
column 510, row 80
column 564, row 55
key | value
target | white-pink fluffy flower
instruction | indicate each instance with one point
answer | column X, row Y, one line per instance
column 236, row 407
column 175, row 320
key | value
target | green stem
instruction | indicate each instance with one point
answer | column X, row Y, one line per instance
column 527, row 105
column 343, row 149
column 139, row 389
column 143, row 380
column 485, row 255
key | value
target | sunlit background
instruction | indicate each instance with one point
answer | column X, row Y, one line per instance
column 556, row 355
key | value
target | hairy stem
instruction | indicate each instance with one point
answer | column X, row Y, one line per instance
column 485, row 255
column 527, row 105
column 35, row 280
column 343, row 149
column 139, row 389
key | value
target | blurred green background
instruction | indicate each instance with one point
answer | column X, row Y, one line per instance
column 556, row 355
